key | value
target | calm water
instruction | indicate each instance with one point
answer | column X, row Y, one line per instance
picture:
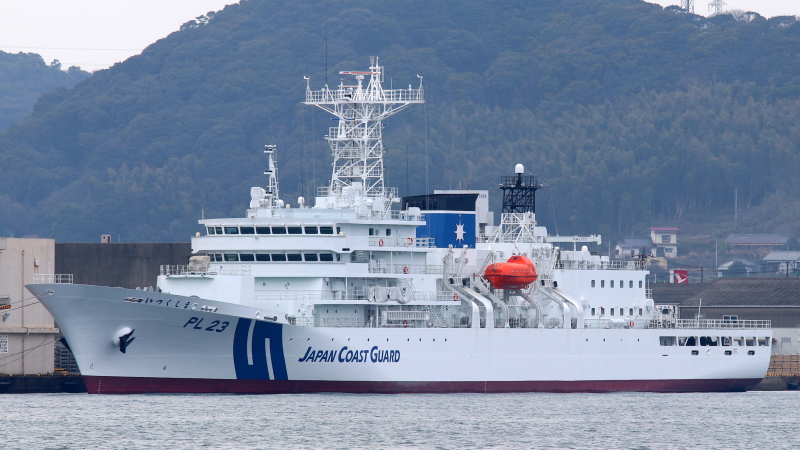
column 762, row 420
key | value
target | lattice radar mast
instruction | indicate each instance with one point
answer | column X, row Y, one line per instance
column 357, row 142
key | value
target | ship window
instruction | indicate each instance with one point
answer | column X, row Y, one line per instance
column 739, row 341
column 592, row 283
column 688, row 341
column 262, row 257
column 622, row 311
column 327, row 230
column 708, row 341
column 621, row 284
column 327, row 257
column 612, row 311
column 312, row 230
column 593, row 311
column 231, row 257
column 630, row 312
column 372, row 232
column 730, row 319
column 602, row 311
column 630, row 284
column 262, row 230
column 219, row 230
column 247, row 257
column 247, row 230
column 602, row 283
column 611, row 284
column 217, row 257
column 294, row 257
column 278, row 230
column 388, row 231
column 750, row 341
column 640, row 284
column 278, row 257
column 640, row 311
column 211, row 230
column 762, row 342
column 295, row 230
column 231, row 230
column 311, row 257
column 667, row 340
column 726, row 341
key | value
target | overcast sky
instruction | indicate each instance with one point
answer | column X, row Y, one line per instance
column 94, row 34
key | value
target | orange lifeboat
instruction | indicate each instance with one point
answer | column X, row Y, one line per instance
column 516, row 273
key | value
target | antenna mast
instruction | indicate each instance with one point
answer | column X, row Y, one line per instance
column 687, row 6
column 357, row 142
column 716, row 6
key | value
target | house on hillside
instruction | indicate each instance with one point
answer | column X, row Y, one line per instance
column 781, row 262
column 737, row 268
column 732, row 300
column 665, row 241
column 632, row 247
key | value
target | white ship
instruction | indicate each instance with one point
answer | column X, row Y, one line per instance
column 363, row 292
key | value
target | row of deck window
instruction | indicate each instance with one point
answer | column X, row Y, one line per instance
column 282, row 229
column 274, row 257
column 611, row 310
column 621, row 283
column 713, row 341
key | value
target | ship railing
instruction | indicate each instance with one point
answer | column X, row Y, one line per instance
column 405, row 269
column 721, row 324
column 391, row 241
column 359, row 294
column 52, row 278
column 568, row 264
column 348, row 94
column 341, row 322
column 183, row 270
column 303, row 321
column 620, row 322
column 350, row 134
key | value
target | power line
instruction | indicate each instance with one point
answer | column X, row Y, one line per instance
column 73, row 48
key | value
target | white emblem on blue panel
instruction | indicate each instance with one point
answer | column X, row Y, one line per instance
column 459, row 231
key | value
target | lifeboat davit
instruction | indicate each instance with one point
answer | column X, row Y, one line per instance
column 516, row 273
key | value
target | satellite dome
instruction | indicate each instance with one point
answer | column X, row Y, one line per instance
column 519, row 168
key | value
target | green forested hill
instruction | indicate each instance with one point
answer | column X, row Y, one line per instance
column 23, row 78
column 632, row 114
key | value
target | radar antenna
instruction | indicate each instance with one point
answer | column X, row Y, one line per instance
column 357, row 141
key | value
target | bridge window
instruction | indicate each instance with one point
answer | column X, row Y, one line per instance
column 247, row 257
column 295, row 230
column 219, row 230
column 231, row 230
column 311, row 257
column 262, row 257
column 312, row 230
column 247, row 230
column 592, row 283
column 327, row 230
column 231, row 257
column 294, row 257
column 278, row 230
column 217, row 257
column 278, row 257
column 326, row 257
column 667, row 340
column 262, row 230
column 211, row 230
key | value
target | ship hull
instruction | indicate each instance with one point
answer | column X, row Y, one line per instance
column 140, row 385
column 190, row 345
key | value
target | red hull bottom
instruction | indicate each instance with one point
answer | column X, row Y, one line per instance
column 135, row 385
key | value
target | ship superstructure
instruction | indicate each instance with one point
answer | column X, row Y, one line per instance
column 367, row 292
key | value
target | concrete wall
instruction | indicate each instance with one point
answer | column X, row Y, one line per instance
column 119, row 265
column 26, row 326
